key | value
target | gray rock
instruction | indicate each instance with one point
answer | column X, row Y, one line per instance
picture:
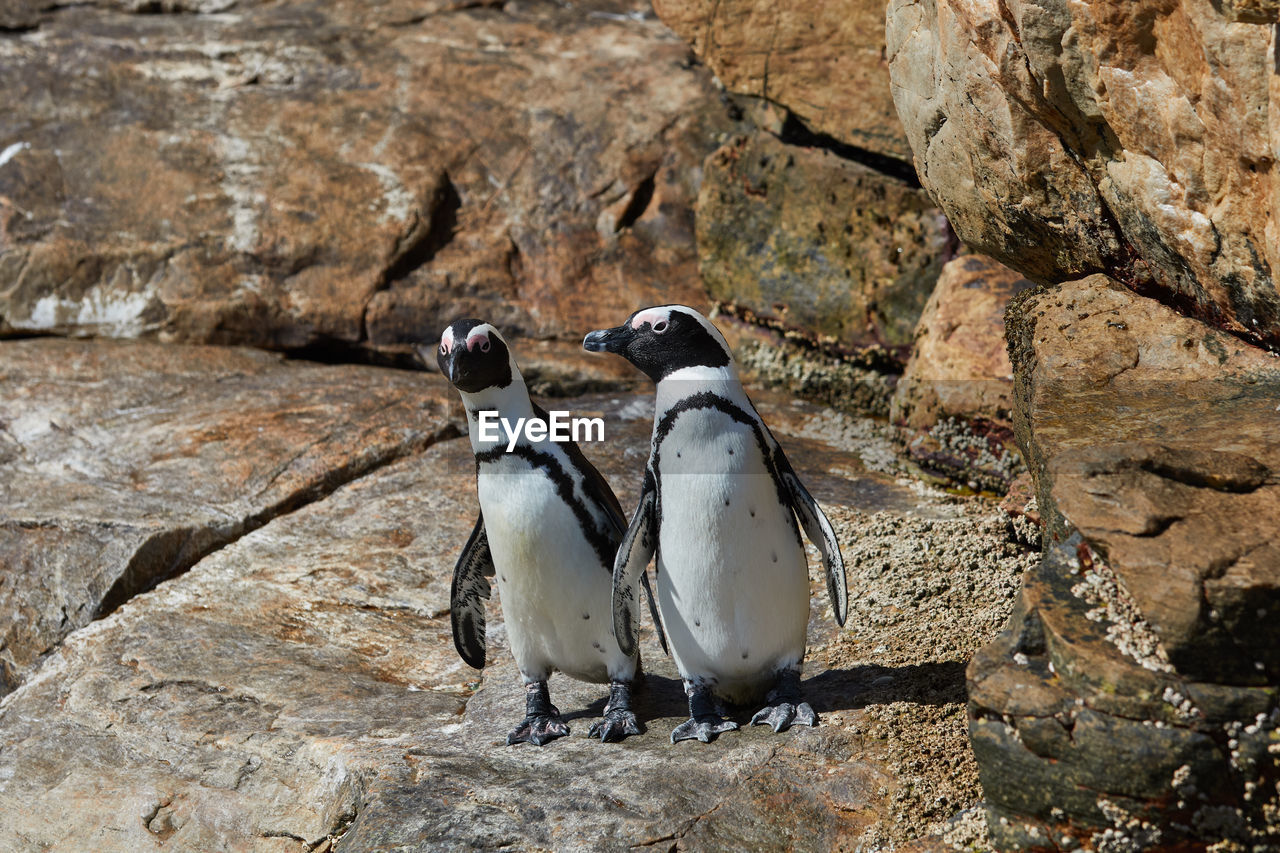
column 125, row 464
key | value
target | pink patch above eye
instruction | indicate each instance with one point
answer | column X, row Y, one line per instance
column 652, row 317
column 446, row 341
column 478, row 340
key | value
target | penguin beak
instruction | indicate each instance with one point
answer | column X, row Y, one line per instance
column 613, row 340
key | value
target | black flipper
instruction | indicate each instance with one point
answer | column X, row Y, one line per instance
column 636, row 549
column 468, row 594
column 818, row 529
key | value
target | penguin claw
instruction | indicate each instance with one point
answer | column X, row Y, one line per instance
column 614, row 726
column 782, row 715
column 705, row 728
column 538, row 729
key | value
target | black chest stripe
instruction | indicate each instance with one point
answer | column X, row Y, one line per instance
column 601, row 542
column 709, row 400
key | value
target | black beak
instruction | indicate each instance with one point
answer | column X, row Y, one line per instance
column 608, row 340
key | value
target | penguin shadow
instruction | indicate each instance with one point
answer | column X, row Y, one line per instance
column 851, row 689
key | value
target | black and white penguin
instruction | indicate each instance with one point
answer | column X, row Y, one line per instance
column 719, row 508
column 549, row 528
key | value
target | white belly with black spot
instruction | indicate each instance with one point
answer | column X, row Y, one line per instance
column 554, row 590
column 733, row 582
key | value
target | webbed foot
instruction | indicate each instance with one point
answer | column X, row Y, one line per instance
column 782, row 715
column 786, row 708
column 615, row 726
column 705, row 728
column 704, row 723
column 619, row 721
column 542, row 723
column 538, row 730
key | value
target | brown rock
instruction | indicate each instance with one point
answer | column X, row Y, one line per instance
column 124, row 464
column 822, row 61
column 1156, row 438
column 349, row 174
column 1065, row 139
column 1139, row 667
column 959, row 366
column 802, row 237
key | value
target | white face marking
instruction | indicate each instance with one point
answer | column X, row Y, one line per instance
column 446, row 340
column 478, row 338
column 653, row 316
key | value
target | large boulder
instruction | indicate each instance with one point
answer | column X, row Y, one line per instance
column 804, row 238
column 1065, row 139
column 1135, row 692
column 822, row 61
column 121, row 465
column 343, row 175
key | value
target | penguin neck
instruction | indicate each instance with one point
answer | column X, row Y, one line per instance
column 510, row 402
column 678, row 384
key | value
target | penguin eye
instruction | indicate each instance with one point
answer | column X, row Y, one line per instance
column 444, row 350
column 484, row 346
column 660, row 327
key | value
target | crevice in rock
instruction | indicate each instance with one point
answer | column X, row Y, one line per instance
column 326, row 350
column 641, row 196
column 173, row 553
column 796, row 132
column 422, row 244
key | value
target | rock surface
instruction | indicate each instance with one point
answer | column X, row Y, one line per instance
column 123, row 464
column 297, row 688
column 816, row 242
column 307, row 174
column 1065, row 139
column 959, row 365
column 822, row 61
column 1133, row 696
column 955, row 398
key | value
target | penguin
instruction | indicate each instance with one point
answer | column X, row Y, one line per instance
column 548, row 529
column 718, row 507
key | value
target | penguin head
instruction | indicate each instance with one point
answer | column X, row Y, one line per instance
column 662, row 340
column 473, row 356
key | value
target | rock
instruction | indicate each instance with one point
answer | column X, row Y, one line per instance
column 125, row 464
column 307, row 175
column 791, row 53
column 955, row 397
column 817, row 243
column 297, row 688
column 959, row 365
column 1138, row 674
column 1065, row 139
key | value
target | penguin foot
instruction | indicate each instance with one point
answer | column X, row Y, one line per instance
column 785, row 706
column 783, row 714
column 705, row 728
column 538, row 729
column 615, row 725
column 542, row 723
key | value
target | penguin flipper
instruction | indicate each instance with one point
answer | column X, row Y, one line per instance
column 634, row 552
column 468, row 594
column 820, row 533
column 653, row 611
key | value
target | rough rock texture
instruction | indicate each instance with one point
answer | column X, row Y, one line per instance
column 298, row 689
column 344, row 174
column 1133, row 698
column 955, row 398
column 825, row 62
column 817, row 242
column 959, row 365
column 1137, row 139
column 123, row 464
